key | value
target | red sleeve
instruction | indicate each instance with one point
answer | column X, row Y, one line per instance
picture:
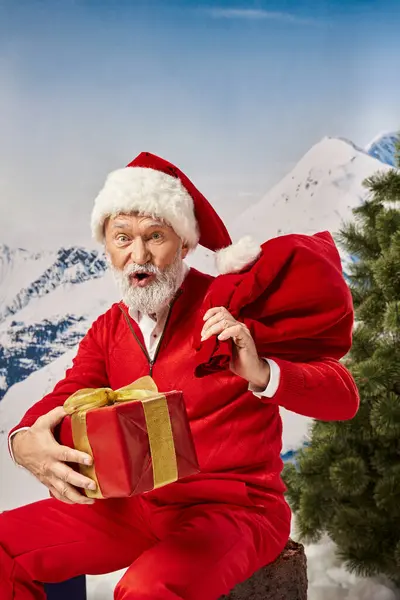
column 88, row 370
column 323, row 390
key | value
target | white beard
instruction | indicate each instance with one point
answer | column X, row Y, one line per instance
column 156, row 294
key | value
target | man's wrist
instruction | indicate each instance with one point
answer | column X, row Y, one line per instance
column 14, row 444
column 262, row 378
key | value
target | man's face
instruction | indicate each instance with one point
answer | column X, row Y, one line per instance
column 146, row 258
column 141, row 240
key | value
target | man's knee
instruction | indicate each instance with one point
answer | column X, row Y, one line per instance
column 133, row 587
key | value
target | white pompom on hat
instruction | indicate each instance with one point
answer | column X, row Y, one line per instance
column 152, row 186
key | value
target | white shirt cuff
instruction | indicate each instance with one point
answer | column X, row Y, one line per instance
column 10, row 445
column 273, row 384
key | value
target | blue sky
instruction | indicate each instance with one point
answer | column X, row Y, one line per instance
column 233, row 92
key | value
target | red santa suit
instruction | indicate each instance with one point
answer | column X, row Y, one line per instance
column 194, row 539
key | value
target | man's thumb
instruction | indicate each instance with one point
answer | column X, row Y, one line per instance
column 52, row 418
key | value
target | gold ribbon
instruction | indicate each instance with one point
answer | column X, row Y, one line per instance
column 158, row 423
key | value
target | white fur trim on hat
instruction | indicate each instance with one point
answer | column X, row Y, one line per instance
column 234, row 258
column 150, row 192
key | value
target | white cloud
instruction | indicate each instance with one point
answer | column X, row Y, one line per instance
column 252, row 14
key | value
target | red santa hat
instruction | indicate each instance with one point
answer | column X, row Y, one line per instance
column 150, row 185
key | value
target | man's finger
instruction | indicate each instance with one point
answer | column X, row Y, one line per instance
column 52, row 418
column 220, row 316
column 68, row 475
column 68, row 492
column 211, row 311
column 220, row 326
column 58, row 496
column 66, row 454
column 236, row 331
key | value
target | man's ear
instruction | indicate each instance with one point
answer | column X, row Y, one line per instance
column 184, row 250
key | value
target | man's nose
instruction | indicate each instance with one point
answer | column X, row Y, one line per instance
column 139, row 252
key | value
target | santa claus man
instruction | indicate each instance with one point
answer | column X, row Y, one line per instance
column 196, row 538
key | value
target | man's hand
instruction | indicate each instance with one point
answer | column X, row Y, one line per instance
column 37, row 450
column 245, row 360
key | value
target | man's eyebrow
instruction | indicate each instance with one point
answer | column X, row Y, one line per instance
column 119, row 224
column 156, row 224
column 153, row 223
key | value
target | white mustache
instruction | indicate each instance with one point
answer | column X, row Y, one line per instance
column 130, row 269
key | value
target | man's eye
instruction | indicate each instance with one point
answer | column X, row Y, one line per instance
column 156, row 236
column 122, row 237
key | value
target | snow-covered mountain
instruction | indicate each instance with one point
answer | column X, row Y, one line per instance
column 383, row 147
column 318, row 194
column 45, row 302
column 25, row 276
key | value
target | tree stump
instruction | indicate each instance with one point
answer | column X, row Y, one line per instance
column 284, row 579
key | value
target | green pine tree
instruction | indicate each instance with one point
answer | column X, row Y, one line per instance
column 346, row 483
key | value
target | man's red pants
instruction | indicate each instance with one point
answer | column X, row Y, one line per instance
column 174, row 551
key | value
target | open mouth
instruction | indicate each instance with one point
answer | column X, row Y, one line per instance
column 141, row 279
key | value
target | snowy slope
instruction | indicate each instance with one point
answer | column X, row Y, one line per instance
column 383, row 147
column 318, row 194
column 25, row 276
column 45, row 302
column 18, row 268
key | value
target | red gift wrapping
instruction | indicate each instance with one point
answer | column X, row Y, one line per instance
column 124, row 454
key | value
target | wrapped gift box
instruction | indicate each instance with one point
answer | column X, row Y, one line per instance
column 139, row 438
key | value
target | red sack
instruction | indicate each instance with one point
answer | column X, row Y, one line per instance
column 294, row 299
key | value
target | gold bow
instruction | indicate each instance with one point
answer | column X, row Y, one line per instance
column 159, row 429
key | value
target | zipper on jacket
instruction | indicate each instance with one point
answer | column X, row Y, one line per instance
column 151, row 361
